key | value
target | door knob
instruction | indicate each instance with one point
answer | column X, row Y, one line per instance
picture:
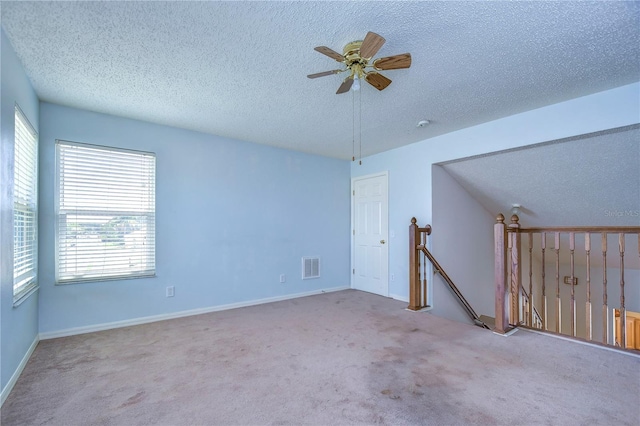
column 382, row 241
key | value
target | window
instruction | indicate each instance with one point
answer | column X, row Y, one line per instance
column 105, row 211
column 25, row 208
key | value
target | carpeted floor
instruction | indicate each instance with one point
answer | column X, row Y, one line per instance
column 339, row 358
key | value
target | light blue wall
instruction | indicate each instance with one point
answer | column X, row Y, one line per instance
column 409, row 167
column 231, row 217
column 19, row 326
column 462, row 229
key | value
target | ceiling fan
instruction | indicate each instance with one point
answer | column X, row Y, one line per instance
column 357, row 60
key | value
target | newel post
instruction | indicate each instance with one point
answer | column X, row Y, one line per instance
column 500, row 273
column 516, row 271
column 414, row 267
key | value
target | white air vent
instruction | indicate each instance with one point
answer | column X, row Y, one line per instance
column 310, row 267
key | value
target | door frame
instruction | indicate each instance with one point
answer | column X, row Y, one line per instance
column 384, row 173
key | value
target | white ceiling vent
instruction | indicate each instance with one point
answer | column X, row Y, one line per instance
column 310, row 267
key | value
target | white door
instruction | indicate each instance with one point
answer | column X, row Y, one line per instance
column 370, row 221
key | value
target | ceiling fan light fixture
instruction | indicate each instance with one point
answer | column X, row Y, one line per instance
column 356, row 83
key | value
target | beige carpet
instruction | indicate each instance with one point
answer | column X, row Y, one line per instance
column 339, row 358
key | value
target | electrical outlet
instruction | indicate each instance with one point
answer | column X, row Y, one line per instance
column 170, row 291
column 393, row 277
column 283, row 278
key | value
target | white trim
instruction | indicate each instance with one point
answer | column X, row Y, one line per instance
column 12, row 381
column 400, row 298
column 508, row 333
column 180, row 314
column 427, row 309
column 581, row 342
column 23, row 297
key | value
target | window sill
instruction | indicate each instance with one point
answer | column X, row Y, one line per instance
column 24, row 296
column 104, row 279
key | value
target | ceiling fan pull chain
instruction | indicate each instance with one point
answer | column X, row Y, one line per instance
column 353, row 127
column 360, row 125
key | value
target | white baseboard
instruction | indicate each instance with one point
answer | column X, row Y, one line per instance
column 400, row 298
column 508, row 333
column 144, row 320
column 582, row 342
column 12, row 381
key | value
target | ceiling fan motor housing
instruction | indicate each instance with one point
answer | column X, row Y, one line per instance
column 352, row 59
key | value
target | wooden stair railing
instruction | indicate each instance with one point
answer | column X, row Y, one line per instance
column 417, row 282
column 418, row 287
column 511, row 293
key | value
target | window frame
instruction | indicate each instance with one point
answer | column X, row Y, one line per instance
column 28, row 279
column 109, row 151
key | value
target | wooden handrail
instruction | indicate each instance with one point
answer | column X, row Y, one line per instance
column 584, row 229
column 418, row 288
column 467, row 306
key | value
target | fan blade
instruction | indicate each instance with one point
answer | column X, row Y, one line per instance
column 395, row 62
column 329, row 52
column 322, row 74
column 378, row 81
column 371, row 44
column 345, row 86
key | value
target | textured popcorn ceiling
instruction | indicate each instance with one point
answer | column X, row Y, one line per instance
column 238, row 69
column 588, row 181
column 592, row 180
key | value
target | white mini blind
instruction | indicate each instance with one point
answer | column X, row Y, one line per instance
column 25, row 207
column 105, row 213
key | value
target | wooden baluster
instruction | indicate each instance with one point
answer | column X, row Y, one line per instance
column 509, row 269
column 509, row 272
column 587, row 247
column 424, row 272
column 427, row 232
column 420, row 263
column 572, row 248
column 543, row 244
column 558, row 301
column 623, row 312
column 516, row 271
column 414, row 267
column 500, row 274
column 605, row 308
column 530, row 280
